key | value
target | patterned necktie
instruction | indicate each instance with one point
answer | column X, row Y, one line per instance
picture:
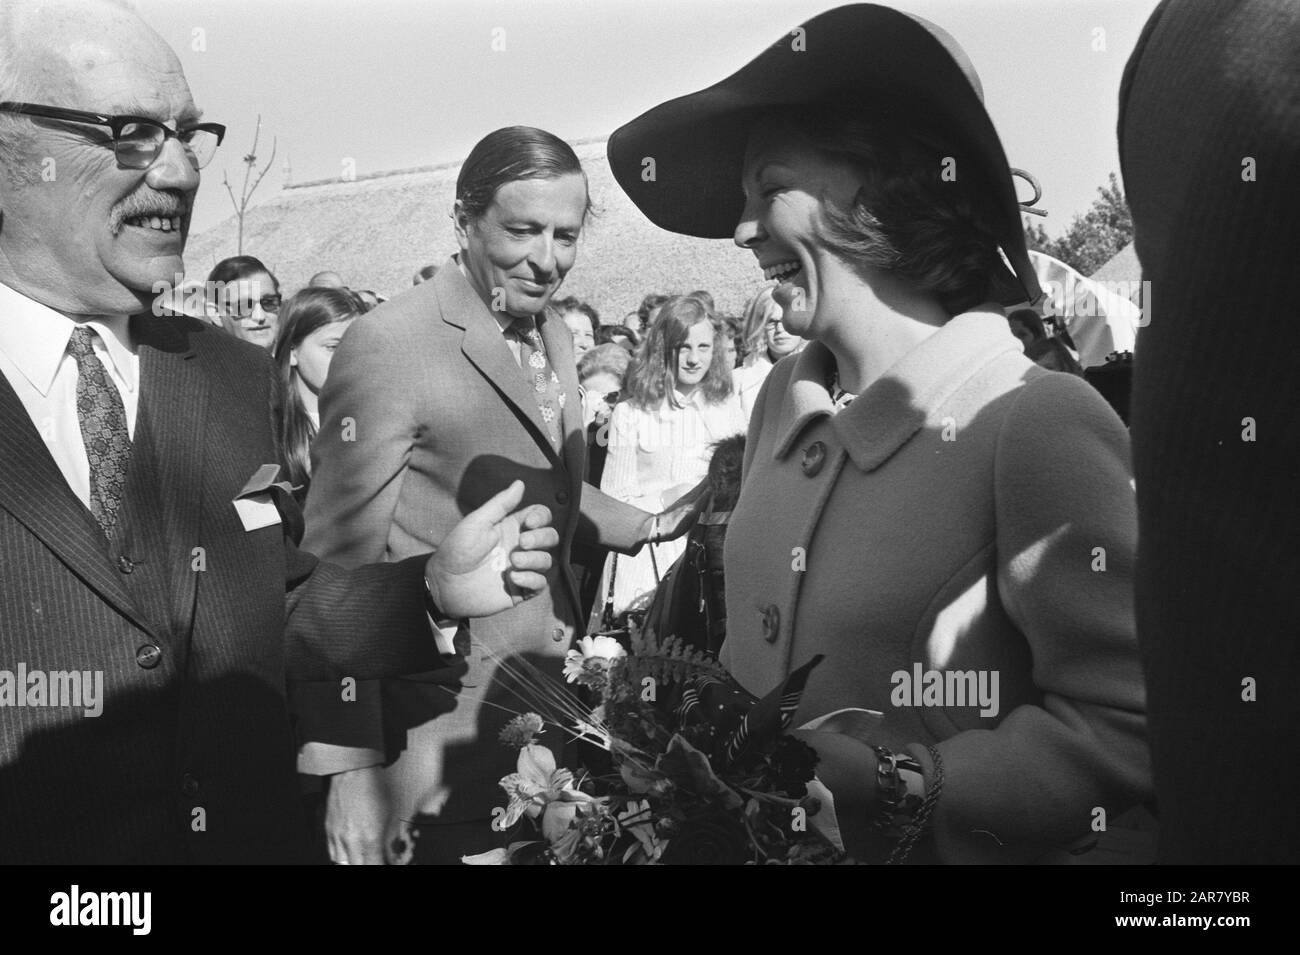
column 541, row 376
column 103, row 429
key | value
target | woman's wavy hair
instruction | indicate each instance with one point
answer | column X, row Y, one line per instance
column 754, row 323
column 304, row 313
column 653, row 374
column 918, row 216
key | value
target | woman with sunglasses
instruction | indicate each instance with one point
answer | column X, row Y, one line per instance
column 950, row 525
column 766, row 343
column 246, row 297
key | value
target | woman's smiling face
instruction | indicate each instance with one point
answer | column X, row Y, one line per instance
column 694, row 356
column 786, row 183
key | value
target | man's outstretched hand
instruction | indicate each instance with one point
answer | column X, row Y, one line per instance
column 679, row 517
column 494, row 558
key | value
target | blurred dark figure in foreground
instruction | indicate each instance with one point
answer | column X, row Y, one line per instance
column 1209, row 136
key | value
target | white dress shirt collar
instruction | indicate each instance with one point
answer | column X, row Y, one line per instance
column 35, row 338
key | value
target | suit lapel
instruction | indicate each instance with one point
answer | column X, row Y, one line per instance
column 34, row 491
column 486, row 348
column 173, row 405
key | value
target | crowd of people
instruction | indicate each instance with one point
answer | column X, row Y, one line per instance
column 658, row 393
column 314, row 532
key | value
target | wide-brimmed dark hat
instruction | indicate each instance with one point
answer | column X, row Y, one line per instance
column 903, row 69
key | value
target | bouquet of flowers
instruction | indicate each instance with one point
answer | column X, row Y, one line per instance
column 692, row 768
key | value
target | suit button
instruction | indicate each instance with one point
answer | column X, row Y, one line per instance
column 189, row 786
column 125, row 564
column 561, row 497
column 814, row 456
column 557, row 634
column 148, row 656
column 771, row 622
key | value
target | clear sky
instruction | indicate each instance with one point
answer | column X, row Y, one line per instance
column 388, row 84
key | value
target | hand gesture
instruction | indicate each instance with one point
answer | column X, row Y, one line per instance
column 494, row 558
column 679, row 517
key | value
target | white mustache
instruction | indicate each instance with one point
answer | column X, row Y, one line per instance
column 158, row 204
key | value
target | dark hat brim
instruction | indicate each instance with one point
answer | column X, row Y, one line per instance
column 681, row 161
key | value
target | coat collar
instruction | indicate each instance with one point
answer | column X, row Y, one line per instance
column 885, row 416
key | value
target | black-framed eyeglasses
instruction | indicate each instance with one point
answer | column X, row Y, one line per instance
column 137, row 140
column 244, row 308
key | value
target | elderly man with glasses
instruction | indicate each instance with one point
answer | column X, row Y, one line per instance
column 153, row 599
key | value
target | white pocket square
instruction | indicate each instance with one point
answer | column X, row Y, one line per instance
column 255, row 504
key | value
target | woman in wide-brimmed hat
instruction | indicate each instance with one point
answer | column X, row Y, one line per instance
column 952, row 526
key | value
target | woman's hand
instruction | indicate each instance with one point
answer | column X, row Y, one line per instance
column 847, row 767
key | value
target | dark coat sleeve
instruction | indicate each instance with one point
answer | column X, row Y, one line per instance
column 364, row 623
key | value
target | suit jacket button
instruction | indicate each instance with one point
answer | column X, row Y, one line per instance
column 814, row 456
column 557, row 634
column 189, row 786
column 561, row 497
column 148, row 656
column 771, row 622
column 125, row 564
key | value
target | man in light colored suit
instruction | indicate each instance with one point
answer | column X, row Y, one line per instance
column 153, row 598
column 435, row 401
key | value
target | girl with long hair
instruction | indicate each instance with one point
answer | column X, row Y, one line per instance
column 679, row 401
column 312, row 323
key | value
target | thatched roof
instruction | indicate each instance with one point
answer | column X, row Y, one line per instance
column 1123, row 266
column 377, row 230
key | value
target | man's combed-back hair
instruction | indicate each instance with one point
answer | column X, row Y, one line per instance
column 508, row 155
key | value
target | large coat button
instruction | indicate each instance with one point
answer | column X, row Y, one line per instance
column 125, row 564
column 189, row 786
column 557, row 634
column 148, row 656
column 771, row 622
column 814, row 456
column 561, row 497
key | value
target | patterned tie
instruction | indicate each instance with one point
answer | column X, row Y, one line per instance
column 541, row 376
column 103, row 429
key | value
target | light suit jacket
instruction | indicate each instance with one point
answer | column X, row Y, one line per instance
column 425, row 415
